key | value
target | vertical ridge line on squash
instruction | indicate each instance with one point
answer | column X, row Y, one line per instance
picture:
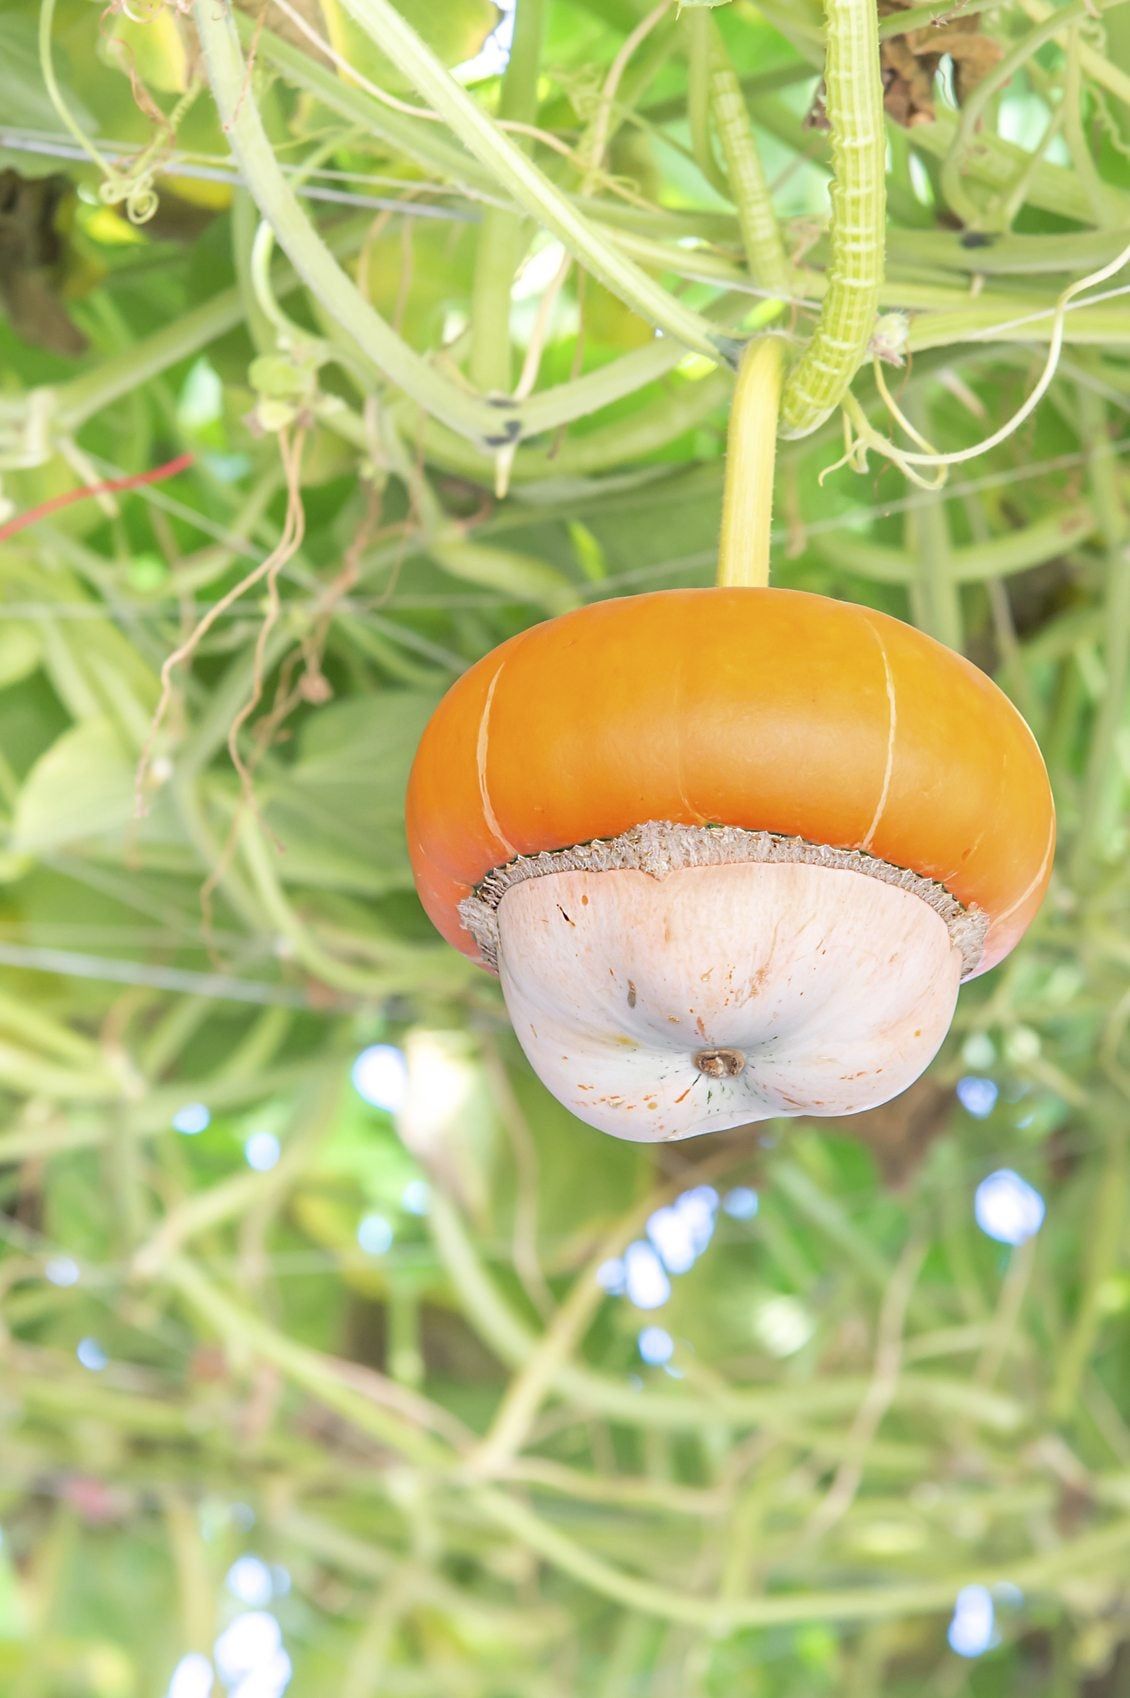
column 854, row 101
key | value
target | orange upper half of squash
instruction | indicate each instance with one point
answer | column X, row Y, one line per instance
column 770, row 709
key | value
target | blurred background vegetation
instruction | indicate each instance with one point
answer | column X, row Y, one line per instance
column 335, row 1358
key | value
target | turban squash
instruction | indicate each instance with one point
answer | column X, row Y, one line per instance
column 731, row 851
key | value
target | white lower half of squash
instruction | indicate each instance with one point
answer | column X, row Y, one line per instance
column 659, row 1008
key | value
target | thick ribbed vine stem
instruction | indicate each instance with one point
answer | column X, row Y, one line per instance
column 751, row 453
column 854, row 102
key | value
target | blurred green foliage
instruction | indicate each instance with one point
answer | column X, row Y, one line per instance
column 370, row 1348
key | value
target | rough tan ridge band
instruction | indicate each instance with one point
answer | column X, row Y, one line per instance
column 660, row 848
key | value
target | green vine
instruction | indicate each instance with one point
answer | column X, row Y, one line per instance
column 854, row 104
column 528, row 185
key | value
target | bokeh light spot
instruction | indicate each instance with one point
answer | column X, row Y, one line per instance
column 742, row 1203
column 656, row 1346
column 977, row 1096
column 249, row 1580
column 374, row 1234
column 971, row 1630
column 261, row 1151
column 1007, row 1208
column 380, row 1077
column 645, row 1278
column 192, row 1677
column 192, row 1119
column 62, row 1270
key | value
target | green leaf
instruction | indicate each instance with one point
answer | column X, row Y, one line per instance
column 517, row 576
column 24, row 100
column 339, row 810
column 20, row 650
column 81, row 788
column 454, row 29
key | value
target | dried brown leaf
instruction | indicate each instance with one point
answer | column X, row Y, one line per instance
column 910, row 62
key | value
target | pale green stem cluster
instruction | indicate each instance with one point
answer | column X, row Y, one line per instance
column 974, row 108
column 528, row 184
column 499, row 245
column 469, row 414
column 761, row 234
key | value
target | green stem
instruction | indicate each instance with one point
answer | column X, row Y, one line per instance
column 1078, row 145
column 26, row 1021
column 498, row 248
column 751, row 453
column 761, row 235
column 777, row 1408
column 995, row 162
column 318, row 1375
column 617, row 443
column 1101, row 325
column 1098, row 1552
column 55, row 93
column 921, row 17
column 530, row 187
column 128, row 371
column 934, row 596
column 81, row 397
column 697, row 24
column 973, row 111
column 407, row 370
column 149, row 1117
column 1105, row 1238
column 1104, row 783
column 416, row 967
column 977, row 562
column 854, row 101
column 31, row 1076
column 1105, row 68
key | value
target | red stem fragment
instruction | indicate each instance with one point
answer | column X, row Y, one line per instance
column 111, row 486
